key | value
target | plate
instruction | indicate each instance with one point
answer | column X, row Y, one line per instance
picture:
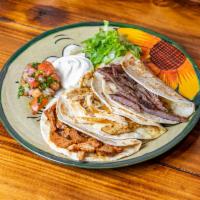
column 166, row 59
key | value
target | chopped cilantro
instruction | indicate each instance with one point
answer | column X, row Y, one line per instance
column 47, row 83
column 43, row 85
column 33, row 75
column 20, row 91
column 50, row 80
column 35, row 64
column 107, row 45
column 39, row 100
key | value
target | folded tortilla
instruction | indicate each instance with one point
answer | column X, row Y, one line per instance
column 136, row 70
column 46, row 131
column 80, row 120
column 142, row 75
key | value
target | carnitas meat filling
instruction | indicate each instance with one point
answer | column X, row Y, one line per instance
column 66, row 137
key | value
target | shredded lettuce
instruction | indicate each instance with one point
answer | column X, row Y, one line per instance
column 107, row 45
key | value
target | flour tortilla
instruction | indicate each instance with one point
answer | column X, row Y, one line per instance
column 45, row 130
column 66, row 116
column 108, row 89
column 64, row 107
column 150, row 130
column 142, row 75
column 98, row 86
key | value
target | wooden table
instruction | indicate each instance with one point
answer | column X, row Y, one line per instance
column 175, row 175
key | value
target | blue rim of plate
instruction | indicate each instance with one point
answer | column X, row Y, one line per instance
column 93, row 165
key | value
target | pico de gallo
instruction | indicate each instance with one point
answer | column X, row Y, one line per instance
column 39, row 81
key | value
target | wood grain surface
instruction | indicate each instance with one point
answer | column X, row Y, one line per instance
column 173, row 176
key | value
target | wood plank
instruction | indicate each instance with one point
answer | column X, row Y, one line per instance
column 180, row 21
column 151, row 13
column 24, row 175
column 12, row 37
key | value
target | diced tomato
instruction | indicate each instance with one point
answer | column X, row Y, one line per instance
column 46, row 67
column 32, row 82
column 43, row 103
column 36, row 105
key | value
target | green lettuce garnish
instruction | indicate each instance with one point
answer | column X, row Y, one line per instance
column 107, row 45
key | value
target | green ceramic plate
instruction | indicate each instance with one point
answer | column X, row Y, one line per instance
column 176, row 68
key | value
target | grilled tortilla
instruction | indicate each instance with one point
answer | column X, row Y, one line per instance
column 133, row 88
column 79, row 146
column 94, row 117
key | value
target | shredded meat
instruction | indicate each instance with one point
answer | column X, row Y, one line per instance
column 75, row 136
column 95, row 143
column 134, row 95
column 164, row 115
column 82, row 147
column 50, row 114
column 59, row 141
column 66, row 137
column 154, row 99
column 60, row 125
column 109, row 150
column 123, row 100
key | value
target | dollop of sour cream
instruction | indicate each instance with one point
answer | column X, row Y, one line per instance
column 71, row 66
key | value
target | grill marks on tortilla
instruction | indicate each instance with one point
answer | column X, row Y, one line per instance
column 78, row 93
column 64, row 136
column 95, row 112
column 135, row 96
column 116, row 128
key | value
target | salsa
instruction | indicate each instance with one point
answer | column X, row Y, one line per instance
column 39, row 81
